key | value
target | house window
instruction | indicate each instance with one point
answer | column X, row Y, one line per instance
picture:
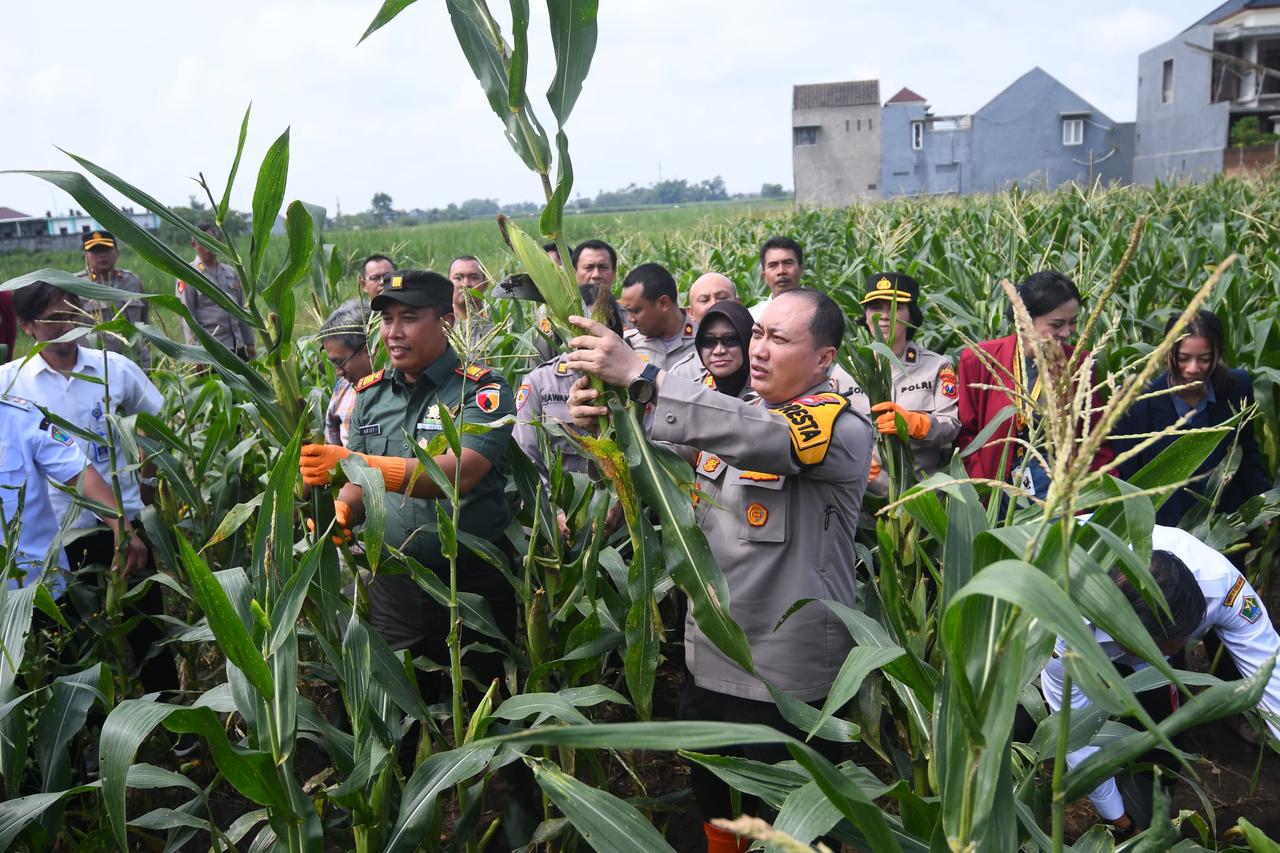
column 859, row 124
column 917, row 135
column 846, row 125
column 868, row 124
column 806, row 136
column 1073, row 131
column 1166, row 83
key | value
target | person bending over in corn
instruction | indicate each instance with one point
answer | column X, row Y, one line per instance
column 780, row 480
column 1204, row 591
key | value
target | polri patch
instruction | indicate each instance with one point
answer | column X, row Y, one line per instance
column 1250, row 608
column 521, row 395
column 757, row 515
column 370, row 429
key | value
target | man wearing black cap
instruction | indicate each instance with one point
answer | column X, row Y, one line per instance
column 101, row 252
column 408, row 402
column 924, row 383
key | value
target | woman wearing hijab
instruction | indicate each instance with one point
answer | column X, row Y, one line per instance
column 724, row 334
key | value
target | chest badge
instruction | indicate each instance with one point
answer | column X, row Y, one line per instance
column 432, row 419
column 757, row 515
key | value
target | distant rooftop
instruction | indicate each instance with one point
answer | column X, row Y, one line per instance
column 1231, row 8
column 854, row 93
column 10, row 213
column 906, row 96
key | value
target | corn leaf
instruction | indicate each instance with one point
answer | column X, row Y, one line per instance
column 605, row 822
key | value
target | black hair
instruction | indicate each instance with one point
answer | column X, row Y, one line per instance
column 1044, row 291
column 655, row 280
column 590, row 293
column 1181, row 591
column 786, row 243
column 1205, row 324
column 365, row 265
column 550, row 246
column 599, row 246
column 827, row 324
column 464, row 258
column 33, row 300
column 212, row 229
column 349, row 324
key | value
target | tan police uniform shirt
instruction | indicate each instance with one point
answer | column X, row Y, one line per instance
column 928, row 385
column 543, row 397
column 779, row 493
column 135, row 310
column 234, row 334
column 661, row 352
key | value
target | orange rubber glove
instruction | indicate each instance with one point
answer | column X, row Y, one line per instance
column 875, row 470
column 341, row 520
column 317, row 462
column 918, row 423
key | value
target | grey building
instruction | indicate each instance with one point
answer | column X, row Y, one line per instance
column 1037, row 133
column 835, row 141
column 1195, row 87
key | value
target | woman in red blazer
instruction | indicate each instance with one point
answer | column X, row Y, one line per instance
column 1053, row 301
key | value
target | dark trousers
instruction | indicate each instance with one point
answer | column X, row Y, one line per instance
column 156, row 668
column 713, row 795
column 405, row 616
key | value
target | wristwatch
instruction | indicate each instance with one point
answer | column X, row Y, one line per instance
column 645, row 386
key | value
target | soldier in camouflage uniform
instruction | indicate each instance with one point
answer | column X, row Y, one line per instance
column 408, row 402
column 780, row 482
column 924, row 387
column 101, row 252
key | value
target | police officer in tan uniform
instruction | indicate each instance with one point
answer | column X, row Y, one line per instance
column 924, row 387
column 662, row 332
column 235, row 334
column 101, row 252
column 780, row 481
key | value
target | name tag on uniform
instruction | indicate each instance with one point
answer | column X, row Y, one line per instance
column 370, row 429
column 432, row 425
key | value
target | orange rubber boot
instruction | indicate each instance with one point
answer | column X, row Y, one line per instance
column 724, row 841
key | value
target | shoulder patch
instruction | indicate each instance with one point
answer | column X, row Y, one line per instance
column 947, row 383
column 1234, row 592
column 522, row 395
column 370, row 380
column 1250, row 608
column 474, row 372
column 489, row 397
column 812, row 420
column 688, row 330
column 544, row 325
column 16, row 402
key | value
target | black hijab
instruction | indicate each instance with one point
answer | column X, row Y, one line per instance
column 740, row 318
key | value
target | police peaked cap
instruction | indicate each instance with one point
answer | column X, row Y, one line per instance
column 895, row 287
column 99, row 239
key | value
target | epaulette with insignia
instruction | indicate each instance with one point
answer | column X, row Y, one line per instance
column 688, row 329
column 370, row 380
column 473, row 372
column 911, row 355
column 812, row 420
column 16, row 402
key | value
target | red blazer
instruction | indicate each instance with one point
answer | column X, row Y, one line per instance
column 979, row 406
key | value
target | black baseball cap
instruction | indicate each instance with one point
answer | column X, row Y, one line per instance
column 99, row 240
column 414, row 287
column 895, row 287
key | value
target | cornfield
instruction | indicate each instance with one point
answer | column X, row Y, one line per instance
column 304, row 712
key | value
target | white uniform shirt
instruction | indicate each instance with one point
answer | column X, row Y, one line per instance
column 1232, row 608
column 81, row 402
column 757, row 310
column 31, row 450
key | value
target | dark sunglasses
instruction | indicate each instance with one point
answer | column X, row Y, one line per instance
column 727, row 341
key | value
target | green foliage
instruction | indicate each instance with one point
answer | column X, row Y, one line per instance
column 1248, row 131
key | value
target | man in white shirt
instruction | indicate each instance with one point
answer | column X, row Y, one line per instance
column 1204, row 591
column 61, row 378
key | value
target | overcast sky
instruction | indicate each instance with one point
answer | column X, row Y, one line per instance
column 155, row 91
